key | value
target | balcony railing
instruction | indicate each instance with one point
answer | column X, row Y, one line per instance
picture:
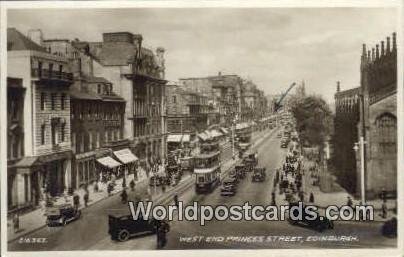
column 51, row 75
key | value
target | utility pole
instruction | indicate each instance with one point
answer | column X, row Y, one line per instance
column 361, row 147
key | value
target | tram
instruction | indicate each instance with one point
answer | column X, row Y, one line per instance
column 243, row 134
column 207, row 168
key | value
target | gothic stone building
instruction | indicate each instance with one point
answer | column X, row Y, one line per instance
column 345, row 136
column 378, row 117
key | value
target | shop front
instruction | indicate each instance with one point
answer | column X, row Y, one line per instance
column 128, row 160
column 108, row 167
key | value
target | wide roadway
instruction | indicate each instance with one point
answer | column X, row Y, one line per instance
column 90, row 232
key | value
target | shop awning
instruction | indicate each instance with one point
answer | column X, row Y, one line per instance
column 174, row 138
column 108, row 162
column 216, row 133
column 186, row 138
column 125, row 156
column 203, row 136
column 224, row 130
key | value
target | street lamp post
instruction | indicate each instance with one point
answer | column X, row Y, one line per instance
column 361, row 146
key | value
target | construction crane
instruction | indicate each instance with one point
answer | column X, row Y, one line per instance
column 278, row 104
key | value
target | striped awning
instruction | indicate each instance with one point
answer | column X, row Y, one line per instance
column 108, row 162
column 174, row 138
column 125, row 156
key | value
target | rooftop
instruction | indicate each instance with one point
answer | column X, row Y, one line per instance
column 16, row 41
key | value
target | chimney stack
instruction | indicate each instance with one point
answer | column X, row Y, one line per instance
column 377, row 52
column 36, row 36
column 364, row 56
column 369, row 56
column 388, row 45
column 338, row 87
column 394, row 42
column 373, row 54
column 382, row 43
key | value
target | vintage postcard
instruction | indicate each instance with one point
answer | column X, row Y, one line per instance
column 206, row 125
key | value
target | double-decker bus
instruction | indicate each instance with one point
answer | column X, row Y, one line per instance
column 207, row 168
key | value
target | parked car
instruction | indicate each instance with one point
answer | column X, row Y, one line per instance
column 320, row 223
column 123, row 227
column 259, row 175
column 389, row 228
column 60, row 215
column 228, row 187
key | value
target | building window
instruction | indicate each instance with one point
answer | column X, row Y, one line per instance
column 62, row 132
column 43, row 100
column 73, row 136
column 60, row 70
column 53, row 100
column 174, row 99
column 99, row 88
column 386, row 126
column 106, row 136
column 90, row 140
column 42, row 134
column 54, row 134
column 98, row 139
column 82, row 143
column 62, row 101
column 50, row 69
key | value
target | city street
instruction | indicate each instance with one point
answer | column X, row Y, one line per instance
column 91, row 231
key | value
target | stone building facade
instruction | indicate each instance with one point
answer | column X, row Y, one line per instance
column 378, row 117
column 137, row 75
column 345, row 136
column 46, row 79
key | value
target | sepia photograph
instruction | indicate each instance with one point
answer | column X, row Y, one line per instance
column 157, row 128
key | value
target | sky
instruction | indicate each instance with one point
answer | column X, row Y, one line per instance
column 273, row 47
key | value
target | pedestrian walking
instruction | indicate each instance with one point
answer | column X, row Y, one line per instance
column 349, row 202
column 16, row 223
column 311, row 199
column 384, row 209
column 110, row 188
column 176, row 199
column 124, row 196
column 95, row 187
column 162, row 229
column 76, row 201
column 132, row 185
column 86, row 198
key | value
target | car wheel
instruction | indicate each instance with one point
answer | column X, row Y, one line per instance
column 123, row 235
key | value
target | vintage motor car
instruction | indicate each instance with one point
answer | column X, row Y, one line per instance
column 389, row 228
column 259, row 174
column 228, row 187
column 320, row 223
column 60, row 215
column 240, row 171
column 123, row 227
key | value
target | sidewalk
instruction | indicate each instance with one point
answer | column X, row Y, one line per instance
column 340, row 196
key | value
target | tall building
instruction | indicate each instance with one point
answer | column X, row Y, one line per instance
column 46, row 78
column 378, row 117
column 223, row 93
column 137, row 75
column 345, row 136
